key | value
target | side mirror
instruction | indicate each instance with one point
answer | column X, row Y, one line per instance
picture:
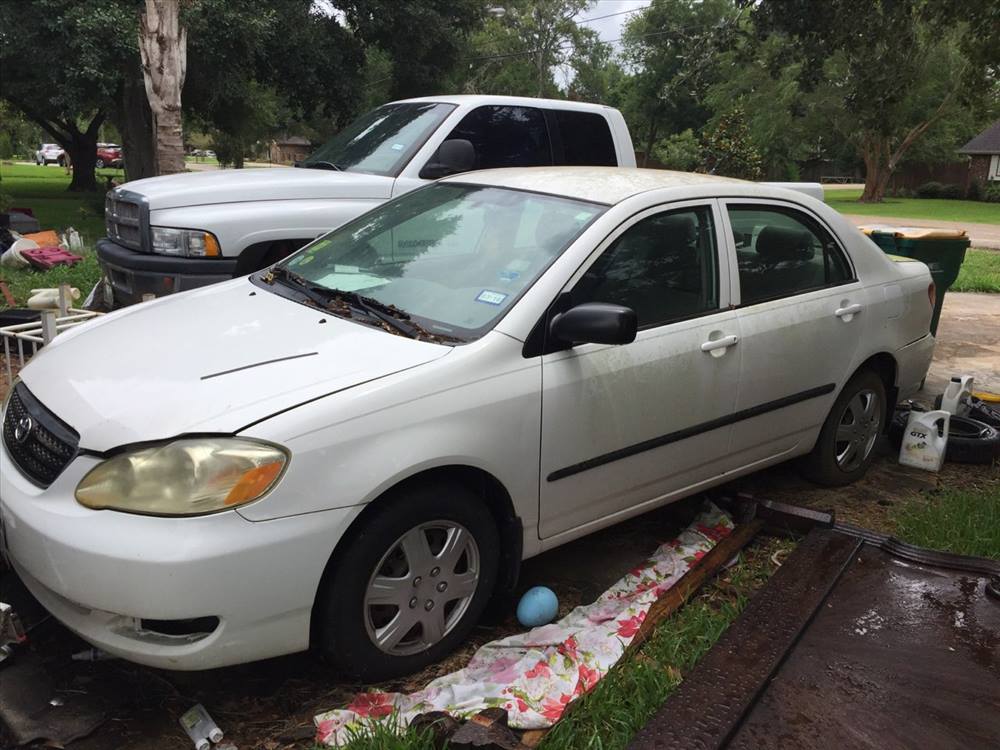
column 453, row 156
column 595, row 323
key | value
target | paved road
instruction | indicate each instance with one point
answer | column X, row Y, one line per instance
column 968, row 343
column 982, row 235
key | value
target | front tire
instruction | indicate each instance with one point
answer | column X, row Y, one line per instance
column 412, row 583
column 846, row 444
column 99, row 164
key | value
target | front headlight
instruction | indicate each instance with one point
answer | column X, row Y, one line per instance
column 192, row 242
column 184, row 477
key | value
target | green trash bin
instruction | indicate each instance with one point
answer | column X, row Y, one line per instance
column 943, row 250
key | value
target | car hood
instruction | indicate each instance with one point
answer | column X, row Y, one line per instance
column 212, row 360
column 241, row 185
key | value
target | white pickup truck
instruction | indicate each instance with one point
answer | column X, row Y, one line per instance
column 178, row 232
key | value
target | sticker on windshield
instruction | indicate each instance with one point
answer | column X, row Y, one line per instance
column 398, row 146
column 509, row 276
column 491, row 298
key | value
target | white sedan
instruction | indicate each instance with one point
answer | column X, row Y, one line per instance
column 357, row 448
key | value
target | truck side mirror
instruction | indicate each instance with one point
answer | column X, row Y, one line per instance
column 453, row 156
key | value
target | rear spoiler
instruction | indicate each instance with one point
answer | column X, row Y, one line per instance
column 812, row 189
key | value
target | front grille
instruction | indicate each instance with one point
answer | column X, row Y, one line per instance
column 37, row 441
column 123, row 221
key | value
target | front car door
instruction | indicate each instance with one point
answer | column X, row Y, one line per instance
column 624, row 426
column 800, row 306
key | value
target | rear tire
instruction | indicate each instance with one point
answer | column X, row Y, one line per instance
column 391, row 604
column 846, row 444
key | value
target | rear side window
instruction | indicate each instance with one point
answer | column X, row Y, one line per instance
column 506, row 137
column 781, row 252
column 586, row 139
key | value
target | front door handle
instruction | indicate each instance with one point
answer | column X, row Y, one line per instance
column 847, row 312
column 720, row 343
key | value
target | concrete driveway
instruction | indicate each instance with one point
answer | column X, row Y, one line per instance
column 968, row 342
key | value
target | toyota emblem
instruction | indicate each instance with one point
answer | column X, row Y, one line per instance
column 23, row 429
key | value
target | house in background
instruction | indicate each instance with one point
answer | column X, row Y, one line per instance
column 288, row 149
column 984, row 155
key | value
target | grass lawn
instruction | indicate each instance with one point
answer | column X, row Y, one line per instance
column 200, row 160
column 846, row 201
column 980, row 272
column 43, row 190
column 965, row 521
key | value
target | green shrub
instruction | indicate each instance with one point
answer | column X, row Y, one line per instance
column 991, row 193
column 930, row 190
column 975, row 191
column 940, row 190
column 680, row 151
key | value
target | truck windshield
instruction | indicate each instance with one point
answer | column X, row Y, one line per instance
column 451, row 257
column 382, row 141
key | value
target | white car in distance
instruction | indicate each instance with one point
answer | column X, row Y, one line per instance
column 356, row 448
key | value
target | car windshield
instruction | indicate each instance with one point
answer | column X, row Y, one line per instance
column 382, row 141
column 453, row 258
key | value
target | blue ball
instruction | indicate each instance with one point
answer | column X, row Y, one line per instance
column 538, row 606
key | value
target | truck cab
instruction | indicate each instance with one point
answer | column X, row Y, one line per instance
column 178, row 232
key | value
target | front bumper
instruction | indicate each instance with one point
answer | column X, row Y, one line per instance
column 133, row 274
column 101, row 572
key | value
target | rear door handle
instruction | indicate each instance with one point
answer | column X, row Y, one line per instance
column 722, row 343
column 848, row 312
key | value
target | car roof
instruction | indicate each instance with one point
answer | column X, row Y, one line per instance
column 598, row 184
column 514, row 101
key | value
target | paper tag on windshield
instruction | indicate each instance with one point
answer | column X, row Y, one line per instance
column 491, row 298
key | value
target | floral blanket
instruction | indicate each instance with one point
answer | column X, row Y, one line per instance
column 534, row 675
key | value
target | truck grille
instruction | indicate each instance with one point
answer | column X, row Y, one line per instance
column 39, row 443
column 123, row 221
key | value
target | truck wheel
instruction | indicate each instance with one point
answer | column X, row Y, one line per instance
column 412, row 583
column 99, row 164
column 845, row 447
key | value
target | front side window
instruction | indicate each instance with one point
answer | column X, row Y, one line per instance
column 664, row 267
column 506, row 137
column 382, row 141
column 782, row 252
column 453, row 257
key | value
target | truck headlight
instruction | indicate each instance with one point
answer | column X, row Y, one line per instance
column 184, row 477
column 193, row 242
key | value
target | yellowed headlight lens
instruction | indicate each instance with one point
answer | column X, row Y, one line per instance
column 184, row 477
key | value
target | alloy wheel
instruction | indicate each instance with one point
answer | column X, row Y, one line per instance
column 858, row 429
column 421, row 587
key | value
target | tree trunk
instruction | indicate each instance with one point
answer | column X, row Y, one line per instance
column 163, row 47
column 82, row 150
column 874, row 151
column 650, row 140
column 134, row 121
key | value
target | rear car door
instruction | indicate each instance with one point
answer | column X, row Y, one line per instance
column 800, row 308
column 626, row 425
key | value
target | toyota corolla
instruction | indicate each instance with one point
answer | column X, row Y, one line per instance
column 356, row 448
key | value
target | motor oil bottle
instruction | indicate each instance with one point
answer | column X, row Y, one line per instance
column 925, row 440
column 200, row 727
column 955, row 399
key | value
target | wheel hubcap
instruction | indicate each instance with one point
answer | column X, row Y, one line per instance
column 421, row 587
column 858, row 429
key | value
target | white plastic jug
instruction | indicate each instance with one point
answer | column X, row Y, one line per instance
column 955, row 399
column 924, row 443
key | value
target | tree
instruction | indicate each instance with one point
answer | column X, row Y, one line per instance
column 521, row 43
column 62, row 69
column 163, row 46
column 673, row 45
column 914, row 64
column 422, row 38
column 728, row 150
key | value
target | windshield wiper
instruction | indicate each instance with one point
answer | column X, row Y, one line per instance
column 390, row 316
column 321, row 165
